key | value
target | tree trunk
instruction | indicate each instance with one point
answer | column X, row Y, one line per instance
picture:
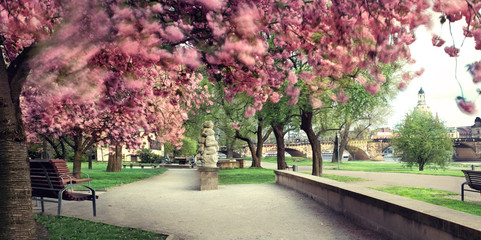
column 306, row 126
column 90, row 163
column 252, row 148
column 281, row 148
column 16, row 218
column 78, row 153
column 335, row 152
column 421, row 165
column 230, row 148
column 344, row 139
column 45, row 154
column 115, row 160
column 260, row 146
column 256, row 152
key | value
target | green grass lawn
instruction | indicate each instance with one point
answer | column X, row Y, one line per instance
column 342, row 178
column 375, row 166
column 102, row 180
column 246, row 175
column 433, row 196
column 74, row 228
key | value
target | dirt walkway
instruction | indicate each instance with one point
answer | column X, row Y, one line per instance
column 171, row 204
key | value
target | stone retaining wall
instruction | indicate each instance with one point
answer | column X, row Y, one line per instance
column 394, row 216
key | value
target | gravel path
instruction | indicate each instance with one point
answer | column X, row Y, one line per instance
column 171, row 204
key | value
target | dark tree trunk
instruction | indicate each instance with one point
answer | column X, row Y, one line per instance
column 251, row 146
column 78, row 153
column 281, row 147
column 90, row 163
column 344, row 139
column 16, row 218
column 421, row 165
column 256, row 152
column 335, row 152
column 59, row 148
column 230, row 148
column 306, row 126
column 45, row 154
column 115, row 160
column 260, row 146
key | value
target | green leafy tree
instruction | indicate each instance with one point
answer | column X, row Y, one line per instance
column 422, row 139
column 189, row 147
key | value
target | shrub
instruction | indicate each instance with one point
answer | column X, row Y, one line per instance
column 147, row 156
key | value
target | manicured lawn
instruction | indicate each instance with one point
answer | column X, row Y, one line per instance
column 375, row 166
column 342, row 178
column 246, row 175
column 372, row 166
column 102, row 180
column 74, row 228
column 433, row 196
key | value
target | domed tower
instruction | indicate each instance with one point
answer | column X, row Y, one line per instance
column 422, row 101
column 476, row 128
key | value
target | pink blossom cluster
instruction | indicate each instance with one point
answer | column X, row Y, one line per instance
column 475, row 70
column 136, row 63
column 437, row 41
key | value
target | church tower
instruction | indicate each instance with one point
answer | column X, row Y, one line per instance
column 422, row 101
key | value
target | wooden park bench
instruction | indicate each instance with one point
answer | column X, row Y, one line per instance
column 473, row 180
column 47, row 182
column 66, row 175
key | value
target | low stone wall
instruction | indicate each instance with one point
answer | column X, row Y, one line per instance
column 393, row 216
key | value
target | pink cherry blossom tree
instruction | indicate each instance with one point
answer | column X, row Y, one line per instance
column 466, row 12
column 100, row 58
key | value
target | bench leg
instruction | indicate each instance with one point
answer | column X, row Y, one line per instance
column 59, row 206
column 462, row 191
column 94, row 205
column 41, row 203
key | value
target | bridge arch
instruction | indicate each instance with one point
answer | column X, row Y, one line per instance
column 464, row 151
column 357, row 153
column 295, row 153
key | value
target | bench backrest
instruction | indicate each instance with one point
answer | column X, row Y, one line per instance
column 45, row 179
column 473, row 178
column 61, row 166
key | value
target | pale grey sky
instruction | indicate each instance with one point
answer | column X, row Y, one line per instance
column 438, row 80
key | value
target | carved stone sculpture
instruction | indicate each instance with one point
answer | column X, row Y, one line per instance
column 207, row 146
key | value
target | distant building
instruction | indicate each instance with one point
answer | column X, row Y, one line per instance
column 464, row 132
column 453, row 132
column 130, row 155
column 476, row 128
column 473, row 131
column 382, row 133
column 422, row 102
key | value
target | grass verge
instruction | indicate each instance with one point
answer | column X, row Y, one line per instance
column 246, row 175
column 434, row 196
column 376, row 166
column 74, row 228
column 343, row 178
column 102, row 180
column 373, row 166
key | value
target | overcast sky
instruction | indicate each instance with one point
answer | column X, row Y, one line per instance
column 438, row 80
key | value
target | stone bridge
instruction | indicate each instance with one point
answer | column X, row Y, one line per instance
column 467, row 149
column 357, row 149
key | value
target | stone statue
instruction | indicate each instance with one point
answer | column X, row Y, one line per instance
column 207, row 146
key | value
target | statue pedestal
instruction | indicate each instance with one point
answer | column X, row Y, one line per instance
column 209, row 178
